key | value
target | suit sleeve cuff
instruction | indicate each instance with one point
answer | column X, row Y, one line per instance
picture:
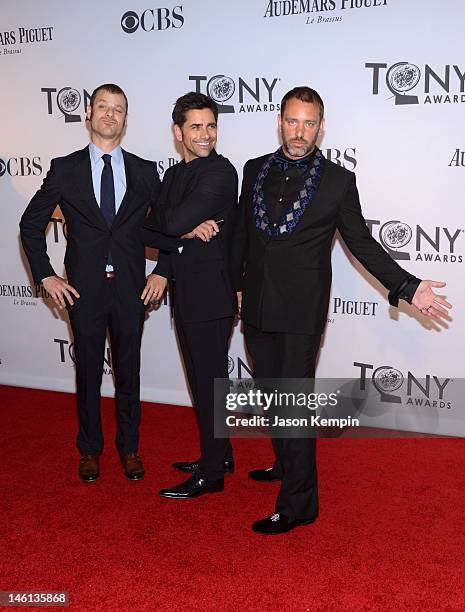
column 405, row 291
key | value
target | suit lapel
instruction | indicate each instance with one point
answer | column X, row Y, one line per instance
column 83, row 180
column 130, row 169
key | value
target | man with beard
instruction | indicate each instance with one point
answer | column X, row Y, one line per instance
column 202, row 186
column 291, row 204
column 104, row 194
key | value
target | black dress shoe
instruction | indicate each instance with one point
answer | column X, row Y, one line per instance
column 89, row 468
column 267, row 475
column 193, row 487
column 278, row 523
column 192, row 466
column 132, row 466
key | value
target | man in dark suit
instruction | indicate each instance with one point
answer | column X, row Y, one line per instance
column 291, row 204
column 202, row 186
column 104, row 194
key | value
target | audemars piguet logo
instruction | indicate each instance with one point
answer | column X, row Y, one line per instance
column 13, row 41
column 318, row 11
column 20, row 294
column 457, row 159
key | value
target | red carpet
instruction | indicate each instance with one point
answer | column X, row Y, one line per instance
column 390, row 535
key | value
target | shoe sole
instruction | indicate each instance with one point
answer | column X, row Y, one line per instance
column 89, row 480
column 190, row 496
column 134, row 479
column 264, row 479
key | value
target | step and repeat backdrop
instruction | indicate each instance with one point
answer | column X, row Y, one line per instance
column 392, row 75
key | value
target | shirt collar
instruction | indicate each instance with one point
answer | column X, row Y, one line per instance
column 96, row 153
column 302, row 161
column 198, row 161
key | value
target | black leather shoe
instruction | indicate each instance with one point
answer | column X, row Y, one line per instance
column 278, row 523
column 89, row 470
column 193, row 487
column 267, row 475
column 192, row 466
column 132, row 466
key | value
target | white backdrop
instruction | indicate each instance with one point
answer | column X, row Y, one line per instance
column 407, row 152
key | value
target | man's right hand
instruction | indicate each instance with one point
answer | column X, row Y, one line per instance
column 205, row 231
column 59, row 289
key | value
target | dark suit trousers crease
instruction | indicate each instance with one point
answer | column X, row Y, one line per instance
column 125, row 331
column 281, row 355
column 204, row 347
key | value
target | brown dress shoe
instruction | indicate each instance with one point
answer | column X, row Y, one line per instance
column 89, row 468
column 133, row 466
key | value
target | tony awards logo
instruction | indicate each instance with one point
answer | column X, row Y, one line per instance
column 394, row 235
column 400, row 78
column 68, row 100
column 387, row 380
column 221, row 88
column 254, row 94
column 442, row 85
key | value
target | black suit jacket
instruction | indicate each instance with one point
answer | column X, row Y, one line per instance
column 205, row 188
column 286, row 280
column 68, row 184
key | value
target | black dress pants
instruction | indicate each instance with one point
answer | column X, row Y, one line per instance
column 204, row 347
column 89, row 346
column 280, row 355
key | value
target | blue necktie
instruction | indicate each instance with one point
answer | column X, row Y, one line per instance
column 107, row 194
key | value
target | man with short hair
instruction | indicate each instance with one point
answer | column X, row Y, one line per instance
column 202, row 186
column 104, row 193
column 291, row 204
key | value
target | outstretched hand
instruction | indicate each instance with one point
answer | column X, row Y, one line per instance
column 428, row 302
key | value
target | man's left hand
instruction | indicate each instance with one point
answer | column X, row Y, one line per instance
column 428, row 302
column 205, row 231
column 153, row 291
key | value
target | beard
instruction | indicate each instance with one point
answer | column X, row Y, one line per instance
column 293, row 151
column 197, row 151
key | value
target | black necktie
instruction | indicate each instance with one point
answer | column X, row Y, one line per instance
column 107, row 194
column 107, row 191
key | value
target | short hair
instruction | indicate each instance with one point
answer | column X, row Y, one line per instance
column 192, row 101
column 111, row 88
column 306, row 94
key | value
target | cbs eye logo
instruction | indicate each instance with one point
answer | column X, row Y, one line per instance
column 130, row 22
column 152, row 20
